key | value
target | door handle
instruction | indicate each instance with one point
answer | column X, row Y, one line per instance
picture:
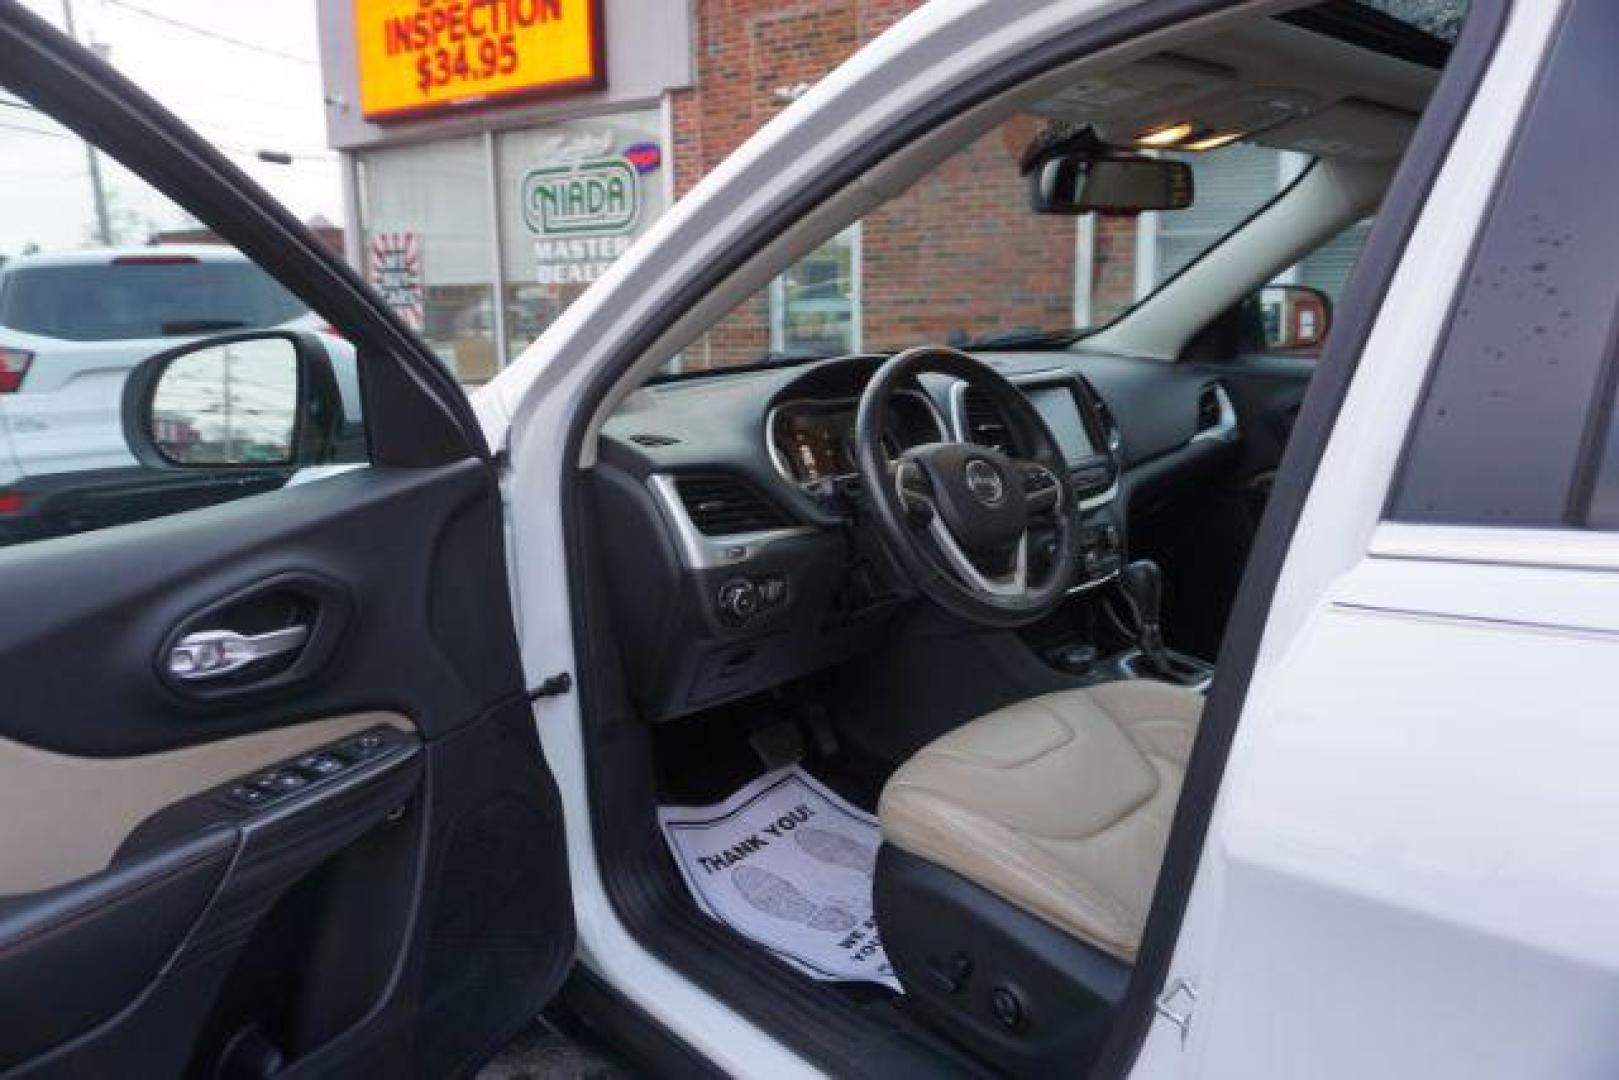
column 209, row 654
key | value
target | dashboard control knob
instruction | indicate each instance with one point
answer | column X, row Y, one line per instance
column 739, row 600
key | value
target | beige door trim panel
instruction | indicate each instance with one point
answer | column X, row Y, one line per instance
column 62, row 817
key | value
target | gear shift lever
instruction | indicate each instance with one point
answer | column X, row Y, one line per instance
column 1142, row 584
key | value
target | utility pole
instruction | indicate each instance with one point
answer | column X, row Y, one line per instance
column 97, row 192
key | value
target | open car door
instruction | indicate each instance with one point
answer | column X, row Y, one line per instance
column 271, row 794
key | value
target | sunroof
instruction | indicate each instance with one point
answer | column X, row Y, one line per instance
column 1441, row 18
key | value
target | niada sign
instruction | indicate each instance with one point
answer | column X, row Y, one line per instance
column 583, row 216
column 599, row 197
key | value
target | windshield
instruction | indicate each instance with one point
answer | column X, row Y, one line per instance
column 142, row 296
column 961, row 259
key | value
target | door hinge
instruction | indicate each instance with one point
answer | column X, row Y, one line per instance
column 555, row 686
column 1177, row 1003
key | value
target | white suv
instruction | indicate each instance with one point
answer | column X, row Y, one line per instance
column 73, row 324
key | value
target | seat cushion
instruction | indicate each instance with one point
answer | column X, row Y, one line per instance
column 1060, row 804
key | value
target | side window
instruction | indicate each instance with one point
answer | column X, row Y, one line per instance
column 1515, row 427
column 99, row 274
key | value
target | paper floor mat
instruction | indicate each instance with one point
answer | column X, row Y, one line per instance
column 788, row 864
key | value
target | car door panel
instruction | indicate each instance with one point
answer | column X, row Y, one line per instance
column 403, row 915
column 416, row 905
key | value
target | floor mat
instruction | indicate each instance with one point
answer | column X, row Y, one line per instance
column 788, row 864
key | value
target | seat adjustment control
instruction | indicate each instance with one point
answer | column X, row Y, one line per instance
column 1006, row 1005
column 950, row 974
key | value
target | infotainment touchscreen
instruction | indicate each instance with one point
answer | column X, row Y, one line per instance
column 1060, row 410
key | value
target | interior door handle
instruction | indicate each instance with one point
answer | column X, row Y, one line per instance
column 209, row 654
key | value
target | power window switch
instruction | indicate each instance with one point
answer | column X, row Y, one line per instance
column 321, row 765
column 248, row 796
column 282, row 781
column 364, row 746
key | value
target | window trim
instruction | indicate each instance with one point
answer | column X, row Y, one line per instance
column 1560, row 549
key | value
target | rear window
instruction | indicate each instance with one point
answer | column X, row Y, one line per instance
column 115, row 301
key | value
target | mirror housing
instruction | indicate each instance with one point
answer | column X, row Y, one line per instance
column 1080, row 174
column 259, row 400
column 1296, row 318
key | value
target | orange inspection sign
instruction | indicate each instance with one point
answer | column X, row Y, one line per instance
column 422, row 56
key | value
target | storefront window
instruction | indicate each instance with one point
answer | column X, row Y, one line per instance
column 573, row 197
column 428, row 246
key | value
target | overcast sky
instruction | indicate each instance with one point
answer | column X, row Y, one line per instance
column 241, row 99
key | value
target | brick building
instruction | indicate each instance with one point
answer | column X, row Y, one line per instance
column 451, row 195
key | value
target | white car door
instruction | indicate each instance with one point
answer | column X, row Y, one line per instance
column 1410, row 868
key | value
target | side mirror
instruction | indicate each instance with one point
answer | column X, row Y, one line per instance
column 1117, row 182
column 265, row 399
column 1296, row 317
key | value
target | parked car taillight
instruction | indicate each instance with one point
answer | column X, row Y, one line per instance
column 13, row 366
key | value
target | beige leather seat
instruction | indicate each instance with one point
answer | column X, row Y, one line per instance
column 1060, row 804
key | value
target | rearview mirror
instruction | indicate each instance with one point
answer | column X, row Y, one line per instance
column 260, row 400
column 1296, row 317
column 1116, row 182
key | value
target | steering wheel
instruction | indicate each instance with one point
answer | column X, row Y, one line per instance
column 958, row 516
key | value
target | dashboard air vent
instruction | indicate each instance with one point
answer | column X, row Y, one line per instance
column 721, row 504
column 982, row 420
column 1110, row 425
column 1216, row 416
column 652, row 438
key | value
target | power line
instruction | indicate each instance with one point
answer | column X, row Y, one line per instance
column 310, row 104
column 204, row 129
column 203, row 31
column 13, row 104
column 36, row 131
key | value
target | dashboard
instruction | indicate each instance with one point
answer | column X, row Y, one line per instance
column 728, row 511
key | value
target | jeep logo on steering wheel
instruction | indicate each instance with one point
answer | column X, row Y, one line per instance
column 985, row 482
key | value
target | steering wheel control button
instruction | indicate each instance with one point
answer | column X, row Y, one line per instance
column 738, row 600
column 1037, row 478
